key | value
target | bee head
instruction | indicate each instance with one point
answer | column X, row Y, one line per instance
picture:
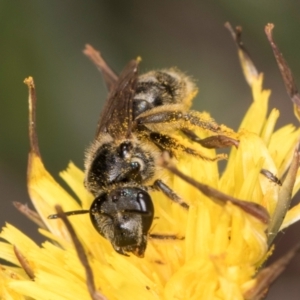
column 124, row 217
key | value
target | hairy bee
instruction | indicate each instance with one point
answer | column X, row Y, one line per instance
column 134, row 129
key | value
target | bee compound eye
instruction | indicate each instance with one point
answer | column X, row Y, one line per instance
column 145, row 200
column 96, row 206
column 146, row 206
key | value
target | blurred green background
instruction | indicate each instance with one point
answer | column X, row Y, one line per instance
column 45, row 39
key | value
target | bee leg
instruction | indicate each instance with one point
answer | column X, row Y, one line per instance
column 179, row 120
column 221, row 141
column 167, row 143
column 212, row 142
column 161, row 186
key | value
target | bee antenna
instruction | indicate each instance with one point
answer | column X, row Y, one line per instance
column 69, row 213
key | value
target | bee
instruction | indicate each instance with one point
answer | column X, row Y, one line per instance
column 135, row 127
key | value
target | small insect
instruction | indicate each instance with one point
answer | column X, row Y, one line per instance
column 134, row 129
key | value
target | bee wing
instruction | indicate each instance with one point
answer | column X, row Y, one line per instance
column 116, row 117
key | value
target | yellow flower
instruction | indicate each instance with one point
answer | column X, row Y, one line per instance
column 221, row 245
